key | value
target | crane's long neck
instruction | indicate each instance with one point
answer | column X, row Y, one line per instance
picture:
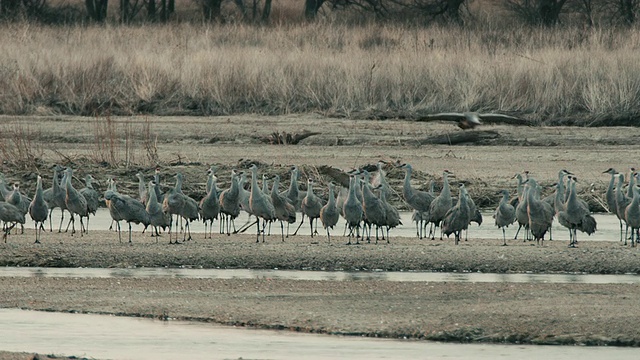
column 276, row 185
column 560, row 185
column 39, row 191
column 636, row 198
column 265, row 186
column 178, row 187
column 505, row 198
column 352, row 187
column 620, row 184
column 293, row 186
column 573, row 197
column 520, row 187
column 233, row 191
column 88, row 182
column 445, row 185
column 152, row 194
column 332, row 198
column 209, row 182
column 254, row 182
column 406, row 188
column 611, row 183
column 68, row 180
column 310, row 190
column 632, row 182
column 141, row 187
column 56, row 184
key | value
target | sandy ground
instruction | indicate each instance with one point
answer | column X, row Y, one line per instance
column 526, row 313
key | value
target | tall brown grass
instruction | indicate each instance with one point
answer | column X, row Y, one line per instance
column 211, row 70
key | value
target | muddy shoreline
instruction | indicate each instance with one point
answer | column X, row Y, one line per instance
column 101, row 249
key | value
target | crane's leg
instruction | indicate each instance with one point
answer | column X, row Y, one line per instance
column 626, row 234
column 130, row 234
column 517, row 232
column 119, row 234
column 36, row 227
column 264, row 227
column 282, row 230
column 504, row 237
column 258, row 231
column 620, row 220
column 299, row 226
column 51, row 226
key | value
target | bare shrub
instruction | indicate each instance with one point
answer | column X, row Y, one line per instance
column 118, row 144
column 19, row 146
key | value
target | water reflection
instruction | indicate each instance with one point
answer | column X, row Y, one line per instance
column 109, row 337
column 398, row 276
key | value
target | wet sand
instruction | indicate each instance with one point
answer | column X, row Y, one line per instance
column 592, row 314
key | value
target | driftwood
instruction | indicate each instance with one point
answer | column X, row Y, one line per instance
column 338, row 176
column 285, row 138
column 459, row 137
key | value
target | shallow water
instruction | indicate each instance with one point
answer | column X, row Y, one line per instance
column 110, row 337
column 608, row 227
column 317, row 275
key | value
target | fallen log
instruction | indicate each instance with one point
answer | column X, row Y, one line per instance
column 459, row 137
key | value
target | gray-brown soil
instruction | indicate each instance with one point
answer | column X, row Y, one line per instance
column 533, row 313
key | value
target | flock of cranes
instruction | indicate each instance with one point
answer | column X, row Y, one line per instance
column 363, row 206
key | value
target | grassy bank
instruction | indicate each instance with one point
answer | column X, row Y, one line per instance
column 553, row 76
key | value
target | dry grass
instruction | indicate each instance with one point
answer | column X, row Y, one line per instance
column 192, row 69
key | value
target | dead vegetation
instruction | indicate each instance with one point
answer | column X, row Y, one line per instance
column 536, row 75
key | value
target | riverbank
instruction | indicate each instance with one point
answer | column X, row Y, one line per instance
column 101, row 249
column 558, row 314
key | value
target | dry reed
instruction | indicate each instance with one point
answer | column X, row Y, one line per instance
column 332, row 68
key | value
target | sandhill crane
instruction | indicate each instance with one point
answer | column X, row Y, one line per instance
column 157, row 217
column 55, row 196
column 352, row 210
column 474, row 215
column 9, row 214
column 142, row 188
column 373, row 209
column 504, row 215
column 576, row 215
column 622, row 201
column 76, row 203
column 559, row 193
column 210, row 204
column 521, row 207
column 19, row 200
column 260, row 204
column 611, row 196
column 329, row 213
column 441, row 204
column 310, row 206
column 91, row 195
column 632, row 214
column 128, row 209
column 392, row 216
column 539, row 212
column 285, row 210
column 156, row 188
column 293, row 192
column 230, row 203
column 457, row 218
column 418, row 200
column 177, row 203
column 380, row 179
column 38, row 209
